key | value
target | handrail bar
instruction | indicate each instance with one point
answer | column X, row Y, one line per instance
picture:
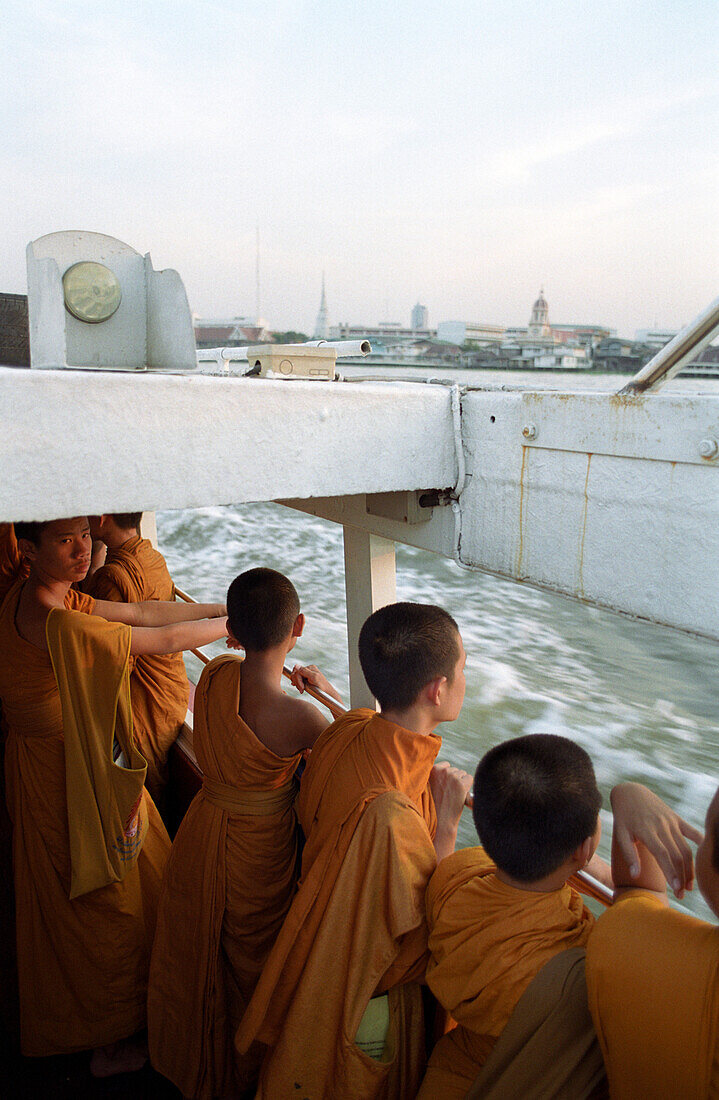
column 670, row 359
column 581, row 880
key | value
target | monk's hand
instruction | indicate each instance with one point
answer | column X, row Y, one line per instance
column 450, row 787
column 302, row 675
column 642, row 819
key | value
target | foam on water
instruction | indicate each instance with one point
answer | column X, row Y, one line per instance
column 638, row 697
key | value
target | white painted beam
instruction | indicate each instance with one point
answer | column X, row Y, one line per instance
column 370, row 583
column 76, row 442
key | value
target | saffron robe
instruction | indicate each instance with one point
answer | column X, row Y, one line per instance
column 356, row 928
column 159, row 688
column 488, row 940
column 653, row 983
column 229, row 883
column 13, row 567
column 82, row 964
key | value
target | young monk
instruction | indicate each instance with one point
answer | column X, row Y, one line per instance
column 339, row 1001
column 499, row 913
column 234, row 862
column 133, row 571
column 653, row 972
column 82, row 963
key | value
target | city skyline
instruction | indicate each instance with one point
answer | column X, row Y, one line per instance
column 459, row 157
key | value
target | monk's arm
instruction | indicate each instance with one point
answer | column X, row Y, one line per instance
column 154, row 613
column 648, row 845
column 175, row 637
column 450, row 787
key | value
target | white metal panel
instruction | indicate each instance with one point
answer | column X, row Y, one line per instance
column 638, row 534
column 73, row 442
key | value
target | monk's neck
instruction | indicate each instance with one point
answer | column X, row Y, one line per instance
column 546, row 885
column 114, row 540
column 45, row 590
column 264, row 670
column 414, row 719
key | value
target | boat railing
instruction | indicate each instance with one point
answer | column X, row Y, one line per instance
column 680, row 351
column 582, row 881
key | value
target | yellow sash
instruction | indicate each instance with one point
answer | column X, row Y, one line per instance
column 251, row 803
column 107, row 817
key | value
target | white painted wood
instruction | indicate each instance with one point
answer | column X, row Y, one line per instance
column 148, row 527
column 73, row 442
column 370, row 583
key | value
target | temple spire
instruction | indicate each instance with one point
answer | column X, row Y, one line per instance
column 321, row 324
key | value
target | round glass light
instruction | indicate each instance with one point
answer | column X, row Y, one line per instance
column 92, row 292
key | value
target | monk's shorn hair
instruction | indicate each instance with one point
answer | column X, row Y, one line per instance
column 127, row 519
column 31, row 531
column 535, row 802
column 262, row 606
column 405, row 646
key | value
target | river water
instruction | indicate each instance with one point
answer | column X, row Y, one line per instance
column 640, row 698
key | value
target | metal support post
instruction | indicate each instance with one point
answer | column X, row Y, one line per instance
column 370, row 582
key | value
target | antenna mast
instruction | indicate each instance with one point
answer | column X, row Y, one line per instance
column 257, row 278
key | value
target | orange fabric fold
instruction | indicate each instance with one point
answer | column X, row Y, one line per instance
column 488, row 940
column 82, row 964
column 229, row 884
column 653, row 983
column 159, row 687
column 356, row 927
column 13, row 567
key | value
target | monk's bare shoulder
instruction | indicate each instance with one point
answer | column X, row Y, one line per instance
column 305, row 722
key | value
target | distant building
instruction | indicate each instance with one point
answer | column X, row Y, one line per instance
column 624, row 356
column 657, row 338
column 232, row 332
column 321, row 324
column 539, row 319
column 464, row 332
column 589, row 335
column 389, row 332
column 420, row 317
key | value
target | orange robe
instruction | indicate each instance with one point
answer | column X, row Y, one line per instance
column 12, row 565
column 159, row 687
column 488, row 941
column 356, row 928
column 228, row 886
column 82, row 964
column 653, row 984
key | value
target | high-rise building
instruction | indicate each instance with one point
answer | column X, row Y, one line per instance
column 321, row 324
column 420, row 316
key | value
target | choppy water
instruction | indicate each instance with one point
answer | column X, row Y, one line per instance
column 640, row 698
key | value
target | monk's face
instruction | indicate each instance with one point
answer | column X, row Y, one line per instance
column 454, row 696
column 63, row 552
column 707, row 874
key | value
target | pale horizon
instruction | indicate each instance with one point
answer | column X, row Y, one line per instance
column 462, row 156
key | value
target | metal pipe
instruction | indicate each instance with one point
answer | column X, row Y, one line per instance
column 213, row 358
column 670, row 359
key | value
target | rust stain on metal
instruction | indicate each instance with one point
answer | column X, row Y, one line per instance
column 520, row 551
column 580, row 586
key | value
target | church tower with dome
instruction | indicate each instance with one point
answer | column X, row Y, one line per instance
column 539, row 321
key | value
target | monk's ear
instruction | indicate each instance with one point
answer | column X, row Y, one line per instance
column 584, row 852
column 434, row 690
column 27, row 549
column 299, row 626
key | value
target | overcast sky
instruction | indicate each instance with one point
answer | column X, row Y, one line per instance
column 459, row 152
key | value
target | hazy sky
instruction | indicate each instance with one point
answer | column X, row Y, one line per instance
column 459, row 153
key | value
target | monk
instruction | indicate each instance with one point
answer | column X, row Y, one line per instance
column 82, row 963
column 653, row 972
column 234, row 863
column 133, row 571
column 499, row 913
column 339, row 1002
